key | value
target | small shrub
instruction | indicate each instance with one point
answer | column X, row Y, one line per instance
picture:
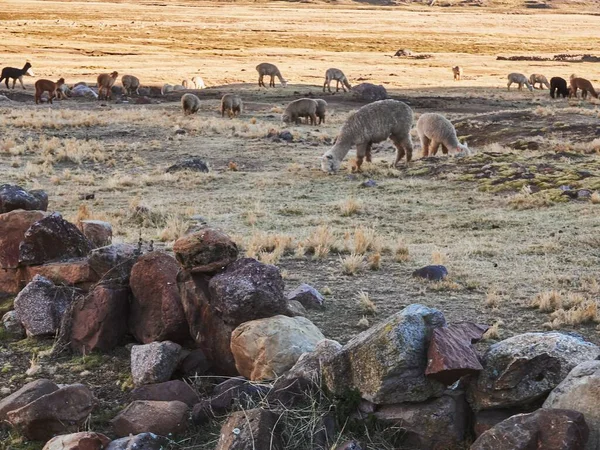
column 365, row 303
column 352, row 264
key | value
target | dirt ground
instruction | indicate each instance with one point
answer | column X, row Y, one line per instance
column 514, row 222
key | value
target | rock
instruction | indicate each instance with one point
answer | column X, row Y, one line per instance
column 295, row 309
column 52, row 239
column 145, row 416
column 63, row 410
column 308, row 296
column 13, row 226
column 205, row 251
column 548, row 429
column 41, row 305
column 350, row 445
column 580, row 391
column 14, row 197
column 167, row 392
column 99, row 321
column 404, row 52
column 286, row 135
column 190, row 164
column 97, row 231
column 266, row 348
column 156, row 310
column 13, row 326
column 194, row 364
column 484, row 420
column 9, row 282
column 75, row 272
column 387, row 362
column 27, row 394
column 143, row 441
column 369, row 92
column 251, row 429
column 432, row 273
column 248, row 290
column 143, row 101
column 113, row 262
column 86, row 440
column 437, row 424
column 154, row 362
column 451, row 355
column 368, row 183
column 521, row 370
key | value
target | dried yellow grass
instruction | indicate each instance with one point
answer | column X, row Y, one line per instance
column 350, row 207
column 401, row 253
column 321, row 238
column 494, row 331
column 175, row 227
column 365, row 303
column 548, row 301
column 492, row 299
column 352, row 264
column 374, row 261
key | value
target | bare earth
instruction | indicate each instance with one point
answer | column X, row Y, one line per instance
column 499, row 219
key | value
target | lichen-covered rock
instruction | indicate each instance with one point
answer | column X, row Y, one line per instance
column 521, row 370
column 142, row 441
column 14, row 197
column 13, row 326
column 387, row 362
column 162, row 418
column 205, row 251
column 154, row 362
column 189, row 164
column 13, row 226
column 74, row 272
column 308, row 296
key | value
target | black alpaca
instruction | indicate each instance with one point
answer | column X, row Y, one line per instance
column 558, row 85
column 15, row 74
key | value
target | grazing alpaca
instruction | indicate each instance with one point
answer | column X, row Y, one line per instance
column 105, row 84
column 558, row 86
column 321, row 109
column 457, row 71
column 372, row 123
column 15, row 74
column 584, row 85
column 130, row 84
column 519, row 79
column 538, row 78
column 51, row 87
column 190, row 104
column 435, row 130
column 271, row 70
column 232, row 104
column 339, row 77
column 303, row 107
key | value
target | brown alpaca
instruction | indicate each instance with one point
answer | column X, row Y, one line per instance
column 584, row 85
column 105, row 84
column 51, row 87
column 457, row 71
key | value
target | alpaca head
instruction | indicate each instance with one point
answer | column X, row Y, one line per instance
column 285, row 118
column 114, row 75
column 60, row 82
column 329, row 164
column 28, row 70
column 462, row 150
column 283, row 83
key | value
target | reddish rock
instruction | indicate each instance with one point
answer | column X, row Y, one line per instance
column 14, row 197
column 167, row 392
column 484, row 420
column 547, row 429
column 143, row 416
column 99, row 320
column 9, row 282
column 206, row 251
column 98, row 232
column 27, row 394
column 250, row 429
column 451, row 355
column 51, row 239
column 13, row 226
column 156, row 310
column 76, row 272
column 86, row 440
column 64, row 410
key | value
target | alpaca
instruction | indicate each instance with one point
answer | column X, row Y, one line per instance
column 321, row 109
column 538, row 78
column 558, row 86
column 584, row 85
column 51, row 87
column 457, row 71
column 15, row 74
column 374, row 122
column 435, row 130
column 232, row 104
column 339, row 77
column 303, row 107
column 519, row 79
column 271, row 70
column 130, row 84
column 190, row 104
column 105, row 84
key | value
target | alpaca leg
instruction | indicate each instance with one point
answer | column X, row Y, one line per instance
column 444, row 149
column 433, row 146
column 14, row 82
column 400, row 151
column 425, row 145
column 508, row 85
column 368, row 151
column 520, row 86
column 337, row 85
column 21, row 81
column 324, row 84
column 313, row 119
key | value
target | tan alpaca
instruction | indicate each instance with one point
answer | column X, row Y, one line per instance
column 271, row 70
column 105, row 84
column 584, row 85
column 51, row 87
column 339, row 77
column 539, row 78
column 457, row 71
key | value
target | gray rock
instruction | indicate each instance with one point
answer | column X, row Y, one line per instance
column 369, row 92
column 143, row 441
column 295, row 309
column 113, row 262
column 308, row 296
column 154, row 363
column 250, row 429
column 13, row 325
column 25, row 395
column 191, row 164
column 15, row 197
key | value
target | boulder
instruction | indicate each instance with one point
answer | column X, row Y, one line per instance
column 52, row 239
column 251, row 429
column 369, row 92
column 61, row 411
column 205, row 251
column 143, row 441
column 488, row 418
column 144, row 416
column 75, row 272
column 522, row 370
column 113, row 262
column 97, row 231
column 156, row 310
column 295, row 309
column 194, row 364
column 154, row 363
column 9, row 282
column 99, row 321
column 547, row 429
column 451, row 354
column 431, row 273
column 41, row 305
column 13, row 226
column 14, row 197
column 13, row 326
column 308, row 296
column 580, row 391
column 437, row 424
column 86, row 440
column 189, row 164
column 167, row 392
column 27, row 394
column 266, row 348
column 387, row 362
column 349, row 445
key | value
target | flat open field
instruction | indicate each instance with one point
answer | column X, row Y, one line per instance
column 501, row 220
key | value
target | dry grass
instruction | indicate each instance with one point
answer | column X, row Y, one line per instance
column 401, row 253
column 374, row 261
column 493, row 333
column 438, row 258
column 321, row 241
column 366, row 305
column 174, row 228
column 352, row 264
column 582, row 313
column 548, row 301
column 350, row 207
column 493, row 299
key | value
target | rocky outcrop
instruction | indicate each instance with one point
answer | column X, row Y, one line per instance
column 141, row 416
column 154, row 363
column 13, row 226
column 113, row 262
column 97, row 231
column 75, row 272
column 205, row 251
column 308, row 296
column 14, row 197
